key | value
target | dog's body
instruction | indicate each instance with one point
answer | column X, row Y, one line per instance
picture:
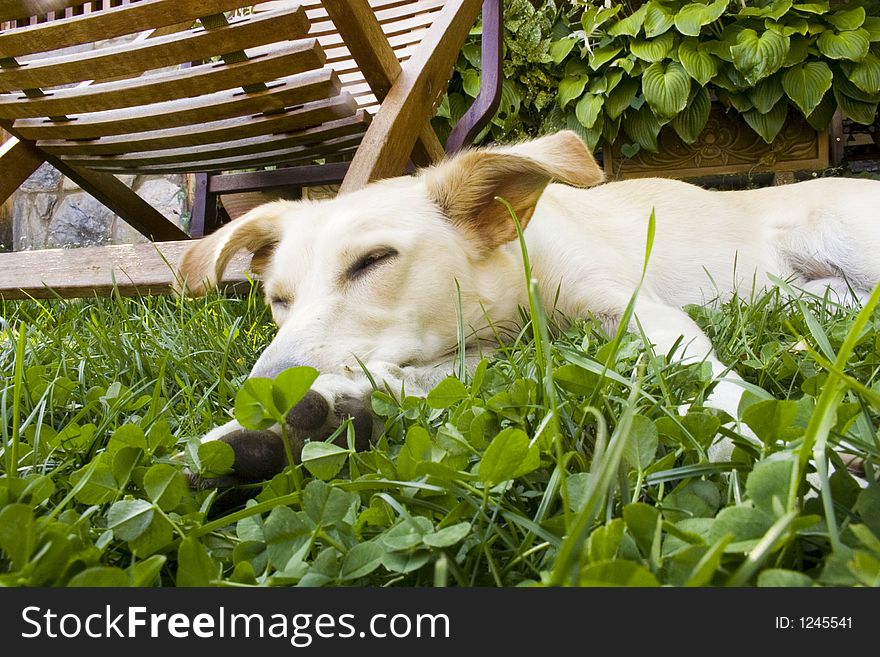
column 373, row 275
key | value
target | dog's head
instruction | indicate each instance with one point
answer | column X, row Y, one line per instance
column 377, row 274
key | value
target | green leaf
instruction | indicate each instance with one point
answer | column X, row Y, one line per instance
column 561, row 48
column 866, row 74
column 402, row 562
column 653, row 50
column 666, row 87
column 758, row 57
column 768, row 484
column 699, row 63
column 165, row 485
column 806, row 84
column 617, row 101
column 868, row 507
column 767, row 125
column 643, row 522
column 195, row 566
column 693, row 499
column 693, row 16
column 287, row 535
column 658, row 19
column 361, row 560
column 617, row 573
column 747, row 524
column 587, row 109
column 812, row 7
column 327, row 505
column 448, row 536
column 470, row 82
column 847, row 19
column 157, row 536
column 17, row 533
column 407, row 534
column 128, row 435
column 215, row 458
column 820, row 117
column 779, row 577
column 146, row 572
column 571, row 87
column 852, row 45
column 605, row 540
column 690, row 123
column 289, row 387
column 129, row 518
column 631, row 24
column 773, row 420
column 447, row 393
column 642, row 127
column 99, row 576
column 858, row 111
column 255, row 406
column 766, row 94
column 601, row 56
column 642, row 443
column 323, row 460
column 508, row 456
column 872, row 27
column 773, row 10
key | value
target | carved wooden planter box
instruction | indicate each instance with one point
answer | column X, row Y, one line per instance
column 726, row 146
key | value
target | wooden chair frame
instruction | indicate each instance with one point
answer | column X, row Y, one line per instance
column 399, row 132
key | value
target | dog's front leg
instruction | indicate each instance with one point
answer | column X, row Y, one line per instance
column 334, row 399
column 664, row 326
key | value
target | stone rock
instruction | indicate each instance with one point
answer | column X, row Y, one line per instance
column 67, row 185
column 80, row 220
column 164, row 194
column 122, row 233
column 31, row 216
column 44, row 179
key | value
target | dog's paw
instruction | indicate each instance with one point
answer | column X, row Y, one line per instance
column 259, row 455
column 317, row 418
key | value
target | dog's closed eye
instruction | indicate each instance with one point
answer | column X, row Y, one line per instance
column 370, row 261
column 279, row 303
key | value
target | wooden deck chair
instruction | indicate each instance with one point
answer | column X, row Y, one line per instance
column 284, row 82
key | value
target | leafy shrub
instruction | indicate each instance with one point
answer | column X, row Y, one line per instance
column 625, row 71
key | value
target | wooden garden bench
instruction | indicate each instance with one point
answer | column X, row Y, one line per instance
column 280, row 84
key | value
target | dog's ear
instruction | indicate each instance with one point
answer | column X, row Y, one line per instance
column 203, row 263
column 466, row 185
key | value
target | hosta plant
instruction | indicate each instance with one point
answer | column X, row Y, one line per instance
column 624, row 71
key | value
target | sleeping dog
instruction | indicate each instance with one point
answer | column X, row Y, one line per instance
column 381, row 275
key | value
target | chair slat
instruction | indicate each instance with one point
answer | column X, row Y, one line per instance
column 329, row 36
column 352, row 125
column 108, row 24
column 11, row 10
column 134, row 58
column 285, row 93
column 212, row 133
column 268, row 63
column 128, row 268
column 342, row 145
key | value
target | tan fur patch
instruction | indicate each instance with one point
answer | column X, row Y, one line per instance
column 202, row 264
column 467, row 185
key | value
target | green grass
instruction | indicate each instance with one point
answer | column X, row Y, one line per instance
column 561, row 460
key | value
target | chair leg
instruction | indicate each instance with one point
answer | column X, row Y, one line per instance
column 18, row 160
column 134, row 210
column 205, row 216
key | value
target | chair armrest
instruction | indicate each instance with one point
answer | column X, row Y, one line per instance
column 486, row 103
